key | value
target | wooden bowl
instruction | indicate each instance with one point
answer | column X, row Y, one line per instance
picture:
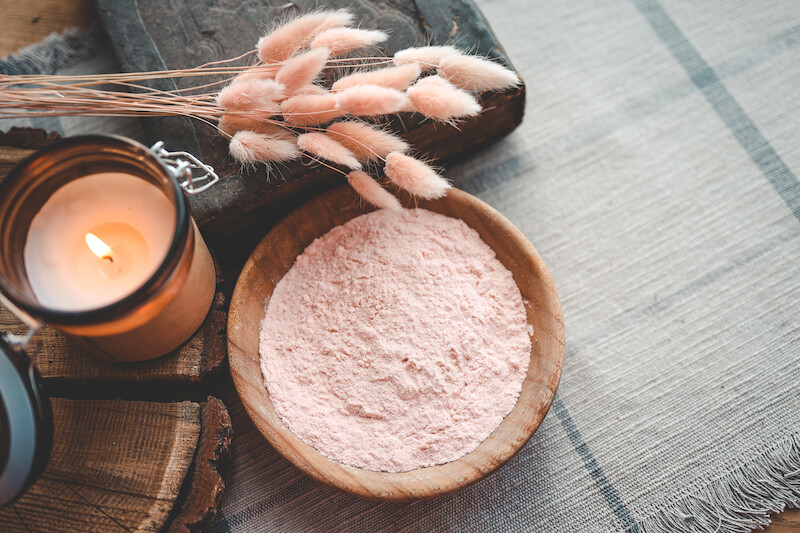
column 275, row 255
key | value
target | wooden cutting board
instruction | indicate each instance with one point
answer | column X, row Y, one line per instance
column 153, row 35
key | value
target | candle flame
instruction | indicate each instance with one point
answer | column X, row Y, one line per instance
column 98, row 247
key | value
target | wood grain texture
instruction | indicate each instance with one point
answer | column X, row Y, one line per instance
column 245, row 205
column 131, row 465
column 63, row 361
column 275, row 255
column 114, row 465
column 60, row 360
column 124, row 465
column 207, row 484
column 785, row 522
column 25, row 23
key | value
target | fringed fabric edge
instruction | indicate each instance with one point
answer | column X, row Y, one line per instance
column 56, row 52
column 738, row 502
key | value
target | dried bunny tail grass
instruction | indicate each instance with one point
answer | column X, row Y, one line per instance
column 427, row 57
column 311, row 89
column 371, row 191
column 282, row 43
column 477, row 74
column 393, row 77
column 234, row 123
column 371, row 100
column 414, row 176
column 408, row 107
column 343, row 40
column 324, row 147
column 257, row 72
column 251, row 95
column 302, row 70
column 439, row 99
column 310, row 109
column 250, row 147
column 366, row 141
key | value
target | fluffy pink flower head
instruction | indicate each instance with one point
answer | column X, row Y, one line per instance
column 439, row 99
column 415, row 176
column 282, row 43
column 310, row 109
column 427, row 57
column 371, row 191
column 324, row 147
column 301, row 70
column 234, row 123
column 477, row 74
column 366, row 141
column 343, row 40
column 393, row 77
column 250, row 147
column 258, row 72
column 311, row 89
column 251, row 95
column 371, row 100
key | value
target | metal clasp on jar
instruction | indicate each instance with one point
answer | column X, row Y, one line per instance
column 183, row 166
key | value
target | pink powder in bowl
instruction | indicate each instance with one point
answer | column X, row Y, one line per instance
column 396, row 341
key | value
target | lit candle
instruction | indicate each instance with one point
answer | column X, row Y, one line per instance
column 96, row 240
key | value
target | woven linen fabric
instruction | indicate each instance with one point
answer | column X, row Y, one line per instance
column 656, row 172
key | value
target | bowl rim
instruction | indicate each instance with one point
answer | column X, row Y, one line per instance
column 393, row 486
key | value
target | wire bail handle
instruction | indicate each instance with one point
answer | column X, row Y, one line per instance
column 184, row 171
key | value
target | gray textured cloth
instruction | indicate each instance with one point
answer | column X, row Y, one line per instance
column 656, row 173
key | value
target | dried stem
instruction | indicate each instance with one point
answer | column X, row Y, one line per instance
column 257, row 103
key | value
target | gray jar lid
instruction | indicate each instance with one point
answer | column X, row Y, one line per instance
column 26, row 427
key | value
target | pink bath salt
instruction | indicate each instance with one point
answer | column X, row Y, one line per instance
column 396, row 341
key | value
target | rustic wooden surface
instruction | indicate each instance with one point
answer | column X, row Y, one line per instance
column 245, row 205
column 136, row 465
column 62, row 361
column 27, row 22
column 206, row 484
column 124, row 465
column 274, row 256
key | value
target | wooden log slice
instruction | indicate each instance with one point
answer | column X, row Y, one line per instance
column 127, row 465
column 206, row 486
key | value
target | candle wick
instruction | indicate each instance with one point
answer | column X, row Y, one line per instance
column 113, row 264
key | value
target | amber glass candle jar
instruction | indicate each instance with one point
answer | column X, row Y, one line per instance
column 96, row 239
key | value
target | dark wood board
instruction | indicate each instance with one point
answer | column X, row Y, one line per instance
column 153, row 35
column 63, row 362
